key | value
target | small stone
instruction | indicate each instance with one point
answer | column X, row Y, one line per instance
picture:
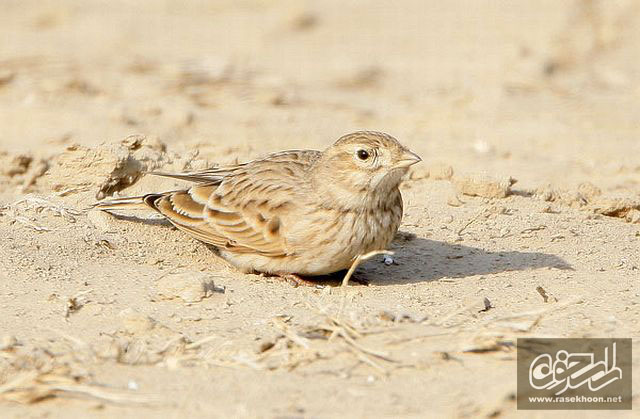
column 387, row 316
column 418, row 173
column 102, row 221
column 548, row 209
column 134, row 322
column 189, row 286
column 484, row 186
column 454, row 201
column 624, row 207
column 487, row 305
column 589, row 191
column 110, row 349
column 633, row 216
column 18, row 165
column 8, row 342
column 108, row 168
column 436, row 171
column 441, row 172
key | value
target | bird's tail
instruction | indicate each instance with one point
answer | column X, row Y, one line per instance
column 129, row 203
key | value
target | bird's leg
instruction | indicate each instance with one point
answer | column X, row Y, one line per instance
column 297, row 280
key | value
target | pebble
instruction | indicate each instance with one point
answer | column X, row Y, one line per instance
column 454, row 201
column 189, row 286
column 134, row 322
column 484, row 186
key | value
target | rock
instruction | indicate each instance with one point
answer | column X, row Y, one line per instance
column 617, row 206
column 454, row 201
column 589, row 191
column 418, row 173
column 189, row 286
column 18, row 165
column 440, row 172
column 101, row 220
column 589, row 197
column 484, row 186
column 8, row 342
column 36, row 170
column 633, row 216
column 573, row 199
column 22, row 169
column 134, row 322
column 111, row 167
column 437, row 171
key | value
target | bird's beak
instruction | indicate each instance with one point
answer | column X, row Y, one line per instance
column 407, row 159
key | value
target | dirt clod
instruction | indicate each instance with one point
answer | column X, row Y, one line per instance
column 617, row 206
column 484, row 186
column 133, row 322
column 190, row 287
column 18, row 165
column 108, row 168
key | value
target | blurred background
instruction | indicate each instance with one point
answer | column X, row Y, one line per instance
column 545, row 91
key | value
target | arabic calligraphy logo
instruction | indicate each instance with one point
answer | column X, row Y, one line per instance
column 570, row 371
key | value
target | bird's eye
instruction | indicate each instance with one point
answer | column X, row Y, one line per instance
column 362, row 154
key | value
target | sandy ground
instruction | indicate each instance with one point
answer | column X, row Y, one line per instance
column 127, row 317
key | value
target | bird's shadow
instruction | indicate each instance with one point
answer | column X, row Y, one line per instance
column 423, row 260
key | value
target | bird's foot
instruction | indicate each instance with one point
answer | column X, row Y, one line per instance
column 296, row 281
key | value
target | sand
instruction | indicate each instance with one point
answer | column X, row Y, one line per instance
column 522, row 220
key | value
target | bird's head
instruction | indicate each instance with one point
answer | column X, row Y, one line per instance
column 365, row 162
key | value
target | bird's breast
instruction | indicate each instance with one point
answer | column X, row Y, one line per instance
column 330, row 238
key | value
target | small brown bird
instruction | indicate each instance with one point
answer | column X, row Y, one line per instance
column 297, row 212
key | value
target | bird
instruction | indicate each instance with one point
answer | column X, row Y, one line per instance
column 295, row 213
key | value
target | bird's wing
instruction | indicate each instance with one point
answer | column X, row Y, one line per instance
column 216, row 174
column 243, row 210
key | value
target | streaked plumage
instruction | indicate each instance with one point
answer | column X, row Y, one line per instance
column 301, row 212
